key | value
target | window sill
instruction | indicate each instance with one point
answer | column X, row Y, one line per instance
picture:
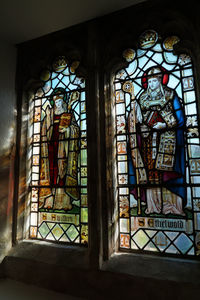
column 69, row 256
column 154, row 267
column 65, row 268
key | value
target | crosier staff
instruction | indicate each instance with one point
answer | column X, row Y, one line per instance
column 73, row 98
column 129, row 88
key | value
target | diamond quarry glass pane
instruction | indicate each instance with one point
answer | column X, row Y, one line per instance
column 183, row 243
column 161, row 241
column 157, row 149
column 72, row 233
column 59, row 156
column 141, row 239
column 57, row 232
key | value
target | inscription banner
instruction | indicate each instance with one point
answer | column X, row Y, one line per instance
column 162, row 224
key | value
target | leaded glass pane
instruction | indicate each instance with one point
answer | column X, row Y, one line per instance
column 158, row 149
column 58, row 156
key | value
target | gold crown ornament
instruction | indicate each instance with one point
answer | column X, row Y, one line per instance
column 74, row 66
column 60, row 64
column 169, row 42
column 148, row 39
column 129, row 54
column 45, row 75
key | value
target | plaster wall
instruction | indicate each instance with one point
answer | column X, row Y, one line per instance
column 7, row 137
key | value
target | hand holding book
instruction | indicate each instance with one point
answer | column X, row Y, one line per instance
column 65, row 122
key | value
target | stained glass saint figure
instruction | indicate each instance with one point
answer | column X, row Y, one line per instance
column 59, row 153
column 156, row 141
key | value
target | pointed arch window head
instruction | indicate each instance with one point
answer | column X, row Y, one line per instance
column 57, row 156
column 158, row 149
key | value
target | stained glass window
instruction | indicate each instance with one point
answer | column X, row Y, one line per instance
column 57, row 156
column 158, row 149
